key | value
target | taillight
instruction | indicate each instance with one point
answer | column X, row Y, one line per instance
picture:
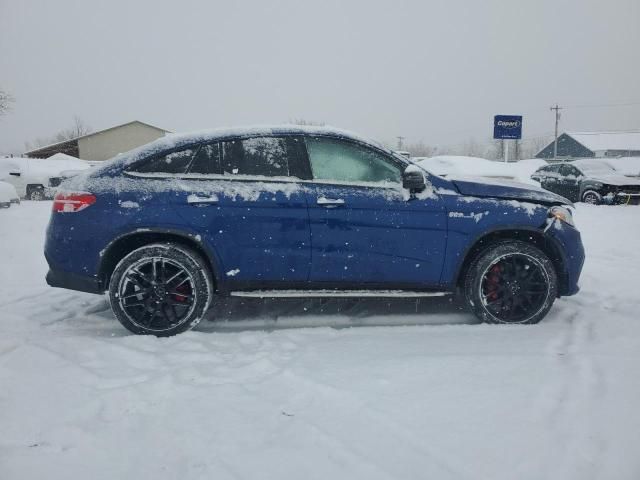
column 72, row 202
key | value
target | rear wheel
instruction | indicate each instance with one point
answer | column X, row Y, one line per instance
column 160, row 289
column 511, row 282
column 592, row 197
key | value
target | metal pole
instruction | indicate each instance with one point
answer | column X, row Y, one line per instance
column 555, row 142
column 506, row 150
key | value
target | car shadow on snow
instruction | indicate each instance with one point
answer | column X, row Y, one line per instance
column 238, row 314
column 234, row 314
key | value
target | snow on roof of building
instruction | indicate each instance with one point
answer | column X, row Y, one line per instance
column 599, row 141
column 44, row 147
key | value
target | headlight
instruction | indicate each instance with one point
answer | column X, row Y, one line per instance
column 562, row 214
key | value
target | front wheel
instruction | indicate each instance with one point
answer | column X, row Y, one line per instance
column 511, row 282
column 592, row 197
column 160, row 289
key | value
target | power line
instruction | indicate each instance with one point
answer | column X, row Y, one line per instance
column 604, row 105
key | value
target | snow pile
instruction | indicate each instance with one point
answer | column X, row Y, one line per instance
column 457, row 166
column 7, row 192
column 426, row 393
column 37, row 168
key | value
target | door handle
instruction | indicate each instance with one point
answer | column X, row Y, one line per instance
column 330, row 202
column 198, row 200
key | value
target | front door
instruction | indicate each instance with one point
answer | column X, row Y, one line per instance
column 366, row 231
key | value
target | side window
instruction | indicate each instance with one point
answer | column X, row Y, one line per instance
column 264, row 156
column 570, row 171
column 175, row 162
column 346, row 162
column 553, row 170
column 207, row 160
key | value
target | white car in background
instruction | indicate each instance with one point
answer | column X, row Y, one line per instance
column 37, row 179
column 8, row 195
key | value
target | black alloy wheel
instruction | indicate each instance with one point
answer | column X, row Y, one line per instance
column 512, row 282
column 160, row 289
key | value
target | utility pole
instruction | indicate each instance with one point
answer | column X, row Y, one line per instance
column 555, row 142
column 400, row 139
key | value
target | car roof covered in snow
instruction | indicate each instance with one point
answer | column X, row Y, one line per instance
column 178, row 140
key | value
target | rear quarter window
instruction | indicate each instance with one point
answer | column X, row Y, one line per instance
column 173, row 163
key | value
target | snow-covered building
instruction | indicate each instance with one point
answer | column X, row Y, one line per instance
column 595, row 144
column 104, row 144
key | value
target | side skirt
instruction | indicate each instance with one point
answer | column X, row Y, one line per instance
column 335, row 293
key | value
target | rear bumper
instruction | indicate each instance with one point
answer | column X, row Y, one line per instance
column 73, row 281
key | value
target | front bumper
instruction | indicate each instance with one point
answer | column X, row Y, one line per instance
column 569, row 243
column 623, row 198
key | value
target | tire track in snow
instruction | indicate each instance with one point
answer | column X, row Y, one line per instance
column 569, row 406
column 396, row 435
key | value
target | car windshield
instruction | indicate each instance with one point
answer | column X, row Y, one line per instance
column 595, row 167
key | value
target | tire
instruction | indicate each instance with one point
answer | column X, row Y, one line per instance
column 36, row 193
column 592, row 197
column 511, row 282
column 161, row 289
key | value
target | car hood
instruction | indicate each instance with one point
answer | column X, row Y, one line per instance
column 508, row 190
column 614, row 179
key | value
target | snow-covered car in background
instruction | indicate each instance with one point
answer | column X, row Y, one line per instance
column 8, row 195
column 37, row 179
column 590, row 181
column 453, row 166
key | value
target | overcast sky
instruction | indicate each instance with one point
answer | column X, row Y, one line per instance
column 435, row 71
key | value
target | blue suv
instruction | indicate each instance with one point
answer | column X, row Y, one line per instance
column 302, row 212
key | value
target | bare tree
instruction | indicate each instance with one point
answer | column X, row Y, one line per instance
column 473, row 149
column 420, row 149
column 77, row 129
column 6, row 99
column 531, row 146
column 302, row 121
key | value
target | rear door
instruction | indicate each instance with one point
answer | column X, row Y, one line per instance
column 365, row 230
column 243, row 198
column 570, row 182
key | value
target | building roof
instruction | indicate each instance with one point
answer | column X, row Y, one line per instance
column 71, row 140
column 599, row 141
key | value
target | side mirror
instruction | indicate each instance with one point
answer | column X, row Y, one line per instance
column 413, row 179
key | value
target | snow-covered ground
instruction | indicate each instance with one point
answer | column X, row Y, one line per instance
column 412, row 390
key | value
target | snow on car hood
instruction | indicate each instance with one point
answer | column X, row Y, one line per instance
column 505, row 189
column 614, row 179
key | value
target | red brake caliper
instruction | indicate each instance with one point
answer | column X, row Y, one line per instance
column 182, row 289
column 493, row 280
